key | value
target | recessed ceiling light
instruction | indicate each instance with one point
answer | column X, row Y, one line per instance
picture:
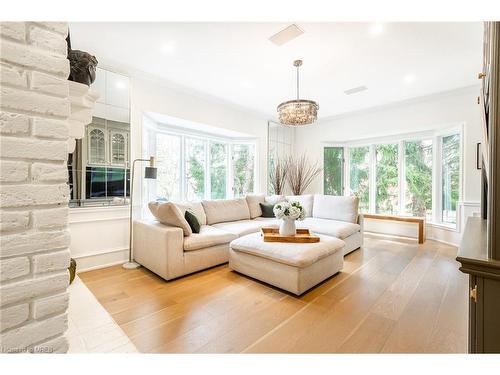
column 120, row 85
column 247, row 84
column 168, row 48
column 376, row 29
column 409, row 78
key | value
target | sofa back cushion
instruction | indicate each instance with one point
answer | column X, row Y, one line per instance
column 305, row 200
column 273, row 199
column 169, row 214
column 222, row 210
column 253, row 201
column 336, row 207
column 196, row 208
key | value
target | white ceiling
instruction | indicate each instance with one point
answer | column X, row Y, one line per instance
column 236, row 61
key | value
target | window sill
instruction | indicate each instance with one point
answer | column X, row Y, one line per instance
column 448, row 227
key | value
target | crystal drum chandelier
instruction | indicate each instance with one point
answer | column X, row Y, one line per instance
column 298, row 111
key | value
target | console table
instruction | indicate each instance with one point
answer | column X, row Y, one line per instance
column 418, row 220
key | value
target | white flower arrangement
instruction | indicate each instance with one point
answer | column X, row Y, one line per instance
column 289, row 211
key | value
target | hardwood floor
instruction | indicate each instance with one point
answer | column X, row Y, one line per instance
column 392, row 296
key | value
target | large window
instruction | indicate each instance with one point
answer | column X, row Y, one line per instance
column 450, row 150
column 218, row 170
column 386, row 199
column 418, row 171
column 418, row 175
column 168, row 161
column 243, row 169
column 333, row 161
column 195, row 169
column 193, row 166
column 359, row 175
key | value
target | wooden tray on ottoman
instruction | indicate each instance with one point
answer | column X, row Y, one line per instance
column 272, row 234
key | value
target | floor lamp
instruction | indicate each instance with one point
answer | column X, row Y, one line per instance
column 149, row 173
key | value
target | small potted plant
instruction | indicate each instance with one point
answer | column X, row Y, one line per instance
column 288, row 212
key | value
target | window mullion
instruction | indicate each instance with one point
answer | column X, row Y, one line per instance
column 401, row 178
column 373, row 179
column 437, row 181
column 208, row 177
column 183, row 169
column 346, row 170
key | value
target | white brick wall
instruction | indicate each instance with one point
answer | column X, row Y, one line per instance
column 34, row 255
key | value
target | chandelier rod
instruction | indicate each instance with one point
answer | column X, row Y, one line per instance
column 298, row 82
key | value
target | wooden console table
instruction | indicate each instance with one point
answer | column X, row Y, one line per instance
column 418, row 220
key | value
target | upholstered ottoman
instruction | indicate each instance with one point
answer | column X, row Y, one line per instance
column 295, row 267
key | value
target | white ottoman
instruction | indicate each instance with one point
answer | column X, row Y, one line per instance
column 295, row 267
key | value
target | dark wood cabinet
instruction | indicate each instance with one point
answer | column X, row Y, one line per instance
column 479, row 252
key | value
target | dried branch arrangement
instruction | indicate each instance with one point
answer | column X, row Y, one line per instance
column 301, row 173
column 277, row 175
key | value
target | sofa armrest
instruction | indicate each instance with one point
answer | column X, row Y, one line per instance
column 361, row 222
column 159, row 248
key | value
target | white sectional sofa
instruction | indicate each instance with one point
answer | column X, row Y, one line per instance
column 166, row 251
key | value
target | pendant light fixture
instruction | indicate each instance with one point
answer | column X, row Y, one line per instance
column 298, row 112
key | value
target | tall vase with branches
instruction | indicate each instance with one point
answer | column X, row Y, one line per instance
column 278, row 171
column 301, row 173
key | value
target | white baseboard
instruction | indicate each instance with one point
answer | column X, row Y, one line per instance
column 101, row 260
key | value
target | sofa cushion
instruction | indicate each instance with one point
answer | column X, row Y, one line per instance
column 168, row 213
column 292, row 254
column 335, row 228
column 273, row 199
column 335, row 207
column 253, row 201
column 193, row 222
column 208, row 236
column 267, row 210
column 223, row 210
column 268, row 221
column 305, row 200
column 196, row 208
column 241, row 227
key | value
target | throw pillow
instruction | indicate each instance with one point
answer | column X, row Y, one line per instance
column 169, row 214
column 192, row 221
column 267, row 209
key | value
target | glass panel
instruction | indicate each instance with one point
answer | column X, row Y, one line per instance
column 218, row 170
column 359, row 176
column 386, row 199
column 168, row 162
column 243, row 169
column 95, row 182
column 195, row 169
column 418, row 170
column 333, row 170
column 97, row 147
column 117, row 149
column 451, row 177
column 115, row 183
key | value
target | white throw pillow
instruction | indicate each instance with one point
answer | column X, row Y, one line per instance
column 196, row 208
column 222, row 210
column 336, row 207
column 273, row 199
column 306, row 201
column 168, row 213
column 254, row 201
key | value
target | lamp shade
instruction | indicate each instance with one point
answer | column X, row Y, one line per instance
column 150, row 172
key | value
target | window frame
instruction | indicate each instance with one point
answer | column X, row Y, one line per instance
column 436, row 137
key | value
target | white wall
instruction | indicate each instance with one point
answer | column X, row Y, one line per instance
column 100, row 235
column 428, row 113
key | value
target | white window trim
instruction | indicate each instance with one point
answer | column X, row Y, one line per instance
column 207, row 139
column 436, row 137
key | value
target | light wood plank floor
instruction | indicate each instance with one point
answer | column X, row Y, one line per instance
column 392, row 296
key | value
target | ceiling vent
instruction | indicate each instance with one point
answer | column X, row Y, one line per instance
column 355, row 90
column 286, row 35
